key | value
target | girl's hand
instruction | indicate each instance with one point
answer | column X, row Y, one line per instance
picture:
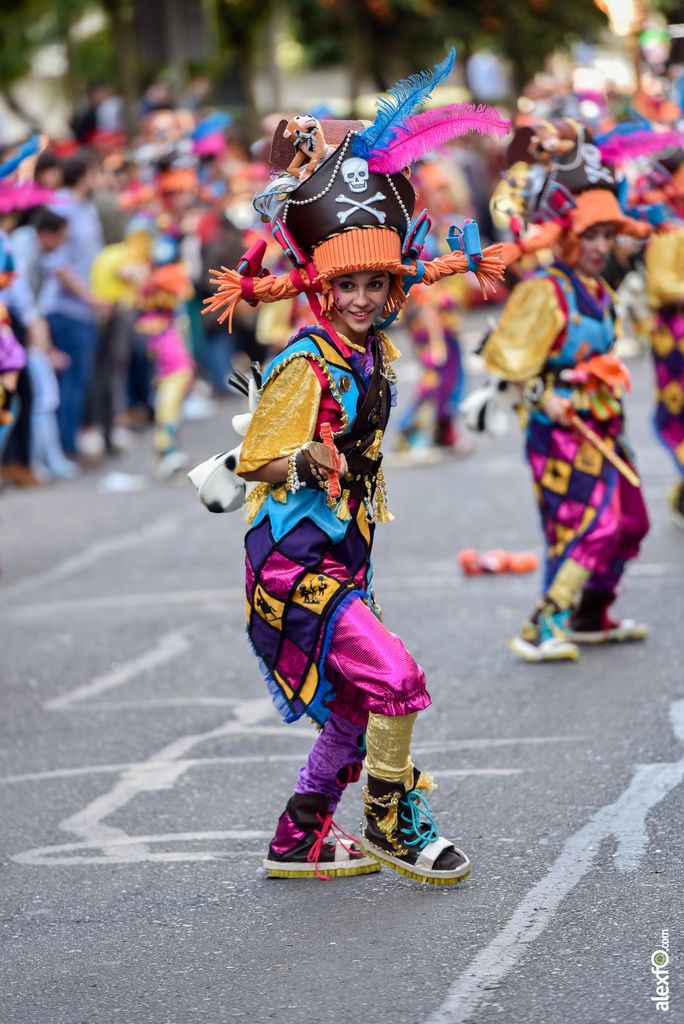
column 554, row 407
column 342, row 466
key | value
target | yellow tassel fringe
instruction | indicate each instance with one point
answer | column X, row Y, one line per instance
column 388, row 824
column 426, row 782
column 343, row 507
column 255, row 499
column 382, row 513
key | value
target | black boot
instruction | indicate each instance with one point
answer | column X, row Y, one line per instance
column 590, row 622
column 401, row 833
column 591, row 613
column 299, row 846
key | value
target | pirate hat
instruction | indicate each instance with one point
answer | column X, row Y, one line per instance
column 354, row 212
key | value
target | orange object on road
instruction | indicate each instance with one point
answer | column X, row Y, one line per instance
column 477, row 563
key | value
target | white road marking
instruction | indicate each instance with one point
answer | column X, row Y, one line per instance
column 625, row 820
column 214, row 598
column 67, row 853
column 484, row 744
column 159, row 772
column 443, row 773
column 208, row 762
column 169, row 646
column 160, row 528
column 115, row 769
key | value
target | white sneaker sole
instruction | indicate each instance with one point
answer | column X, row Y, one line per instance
column 339, row 869
column 627, row 630
column 549, row 650
column 411, row 871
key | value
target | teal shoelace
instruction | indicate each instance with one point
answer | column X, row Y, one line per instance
column 414, row 798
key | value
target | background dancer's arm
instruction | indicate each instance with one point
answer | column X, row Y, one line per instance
column 665, row 270
column 519, row 346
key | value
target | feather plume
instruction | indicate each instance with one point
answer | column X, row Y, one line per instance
column 633, row 123
column 401, row 101
column 638, row 143
column 423, row 132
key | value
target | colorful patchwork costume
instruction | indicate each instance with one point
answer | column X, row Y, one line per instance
column 312, row 619
column 555, row 337
column 665, row 289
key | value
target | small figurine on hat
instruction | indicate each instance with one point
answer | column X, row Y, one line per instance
column 310, row 146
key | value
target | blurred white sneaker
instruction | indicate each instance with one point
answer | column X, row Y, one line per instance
column 171, row 464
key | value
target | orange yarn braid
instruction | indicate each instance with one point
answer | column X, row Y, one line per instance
column 273, row 289
column 229, row 292
column 490, row 268
column 547, row 236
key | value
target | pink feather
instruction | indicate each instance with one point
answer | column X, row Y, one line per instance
column 422, row 132
column 625, row 147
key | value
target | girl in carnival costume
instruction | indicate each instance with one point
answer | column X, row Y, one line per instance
column 312, row 618
column 554, row 340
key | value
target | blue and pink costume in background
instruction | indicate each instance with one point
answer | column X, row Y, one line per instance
column 589, row 512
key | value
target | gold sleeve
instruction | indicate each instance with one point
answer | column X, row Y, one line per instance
column 531, row 321
column 285, row 417
column 665, row 269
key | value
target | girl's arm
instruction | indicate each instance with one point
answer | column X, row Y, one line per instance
column 276, row 471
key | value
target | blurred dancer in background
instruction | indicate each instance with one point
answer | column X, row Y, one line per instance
column 433, row 320
column 554, row 340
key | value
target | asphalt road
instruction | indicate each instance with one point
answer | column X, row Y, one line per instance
column 142, row 770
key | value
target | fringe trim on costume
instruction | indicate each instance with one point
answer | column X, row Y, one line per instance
column 390, row 352
column 382, row 513
column 255, row 499
column 426, row 782
column 373, row 248
column 343, row 507
column 390, row 819
column 280, row 494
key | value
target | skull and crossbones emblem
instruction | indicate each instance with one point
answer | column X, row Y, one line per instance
column 593, row 167
column 355, row 173
column 355, row 205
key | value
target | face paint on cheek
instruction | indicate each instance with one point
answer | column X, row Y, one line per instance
column 341, row 299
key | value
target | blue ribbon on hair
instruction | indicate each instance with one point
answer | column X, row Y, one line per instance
column 467, row 241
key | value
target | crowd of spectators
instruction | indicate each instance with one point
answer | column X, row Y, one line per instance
column 84, row 239
column 111, row 247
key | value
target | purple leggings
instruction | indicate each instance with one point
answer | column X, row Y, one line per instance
column 371, row 670
column 338, row 745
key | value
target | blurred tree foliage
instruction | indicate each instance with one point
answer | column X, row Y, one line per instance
column 242, row 26
column 28, row 26
column 383, row 39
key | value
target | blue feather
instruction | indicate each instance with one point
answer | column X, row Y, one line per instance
column 635, row 123
column 402, row 100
